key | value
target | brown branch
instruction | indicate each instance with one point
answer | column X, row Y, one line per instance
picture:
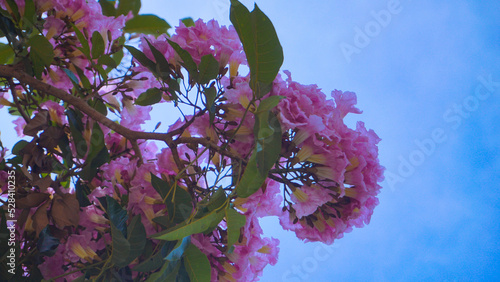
column 8, row 71
column 16, row 101
column 137, row 151
column 210, row 145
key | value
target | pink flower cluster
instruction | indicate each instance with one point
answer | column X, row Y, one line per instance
column 345, row 161
column 87, row 17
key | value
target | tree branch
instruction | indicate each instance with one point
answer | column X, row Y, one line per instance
column 16, row 101
column 9, row 71
column 210, row 145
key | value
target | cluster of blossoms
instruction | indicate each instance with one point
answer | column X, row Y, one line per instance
column 324, row 182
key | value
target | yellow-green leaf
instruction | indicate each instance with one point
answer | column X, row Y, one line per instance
column 261, row 44
column 196, row 264
column 235, row 221
column 198, row 225
column 6, row 54
column 147, row 24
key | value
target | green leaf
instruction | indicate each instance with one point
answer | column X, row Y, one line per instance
column 14, row 8
column 8, row 28
column 263, row 129
column 150, row 264
column 109, row 61
column 76, row 128
column 209, row 69
column 251, row 180
column 187, row 60
column 117, row 57
column 74, row 80
column 268, row 142
column 72, row 76
column 96, row 142
column 125, row 6
column 102, row 72
column 162, row 187
column 269, row 103
column 108, row 8
column 261, row 45
column 29, row 17
column 178, row 250
column 6, row 54
column 41, row 54
column 147, row 24
column 16, row 150
column 47, row 243
column 83, row 78
column 235, row 221
column 90, row 170
column 162, row 66
column 67, row 153
column 82, row 191
column 266, row 153
column 167, row 273
column 85, row 44
column 163, row 220
column 197, row 264
column 180, row 231
column 188, row 22
column 142, row 58
column 173, row 87
column 176, row 199
column 97, row 45
column 210, row 95
column 150, row 97
column 121, row 247
column 136, row 237
column 217, row 199
column 117, row 215
column 99, row 106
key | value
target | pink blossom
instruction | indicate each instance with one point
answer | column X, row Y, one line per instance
column 265, row 203
column 316, row 197
column 133, row 116
column 345, row 102
column 56, row 112
column 53, row 26
column 20, row 124
column 53, row 266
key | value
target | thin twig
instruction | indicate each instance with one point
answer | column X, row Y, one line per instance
column 16, row 101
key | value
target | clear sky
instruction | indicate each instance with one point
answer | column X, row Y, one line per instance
column 427, row 76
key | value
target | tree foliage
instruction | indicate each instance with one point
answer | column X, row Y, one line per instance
column 95, row 195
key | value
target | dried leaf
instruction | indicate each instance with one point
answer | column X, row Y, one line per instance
column 43, row 183
column 37, row 123
column 49, row 138
column 65, row 210
column 40, row 218
column 32, row 200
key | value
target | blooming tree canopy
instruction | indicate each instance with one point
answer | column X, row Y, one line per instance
column 89, row 193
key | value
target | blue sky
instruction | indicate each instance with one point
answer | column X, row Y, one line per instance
column 420, row 79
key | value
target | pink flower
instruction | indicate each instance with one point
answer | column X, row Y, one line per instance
column 345, row 102
column 56, row 112
column 83, row 247
column 20, row 124
column 133, row 116
column 53, row 266
column 315, row 197
column 301, row 104
column 53, row 26
column 254, row 253
column 92, row 217
column 265, row 203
